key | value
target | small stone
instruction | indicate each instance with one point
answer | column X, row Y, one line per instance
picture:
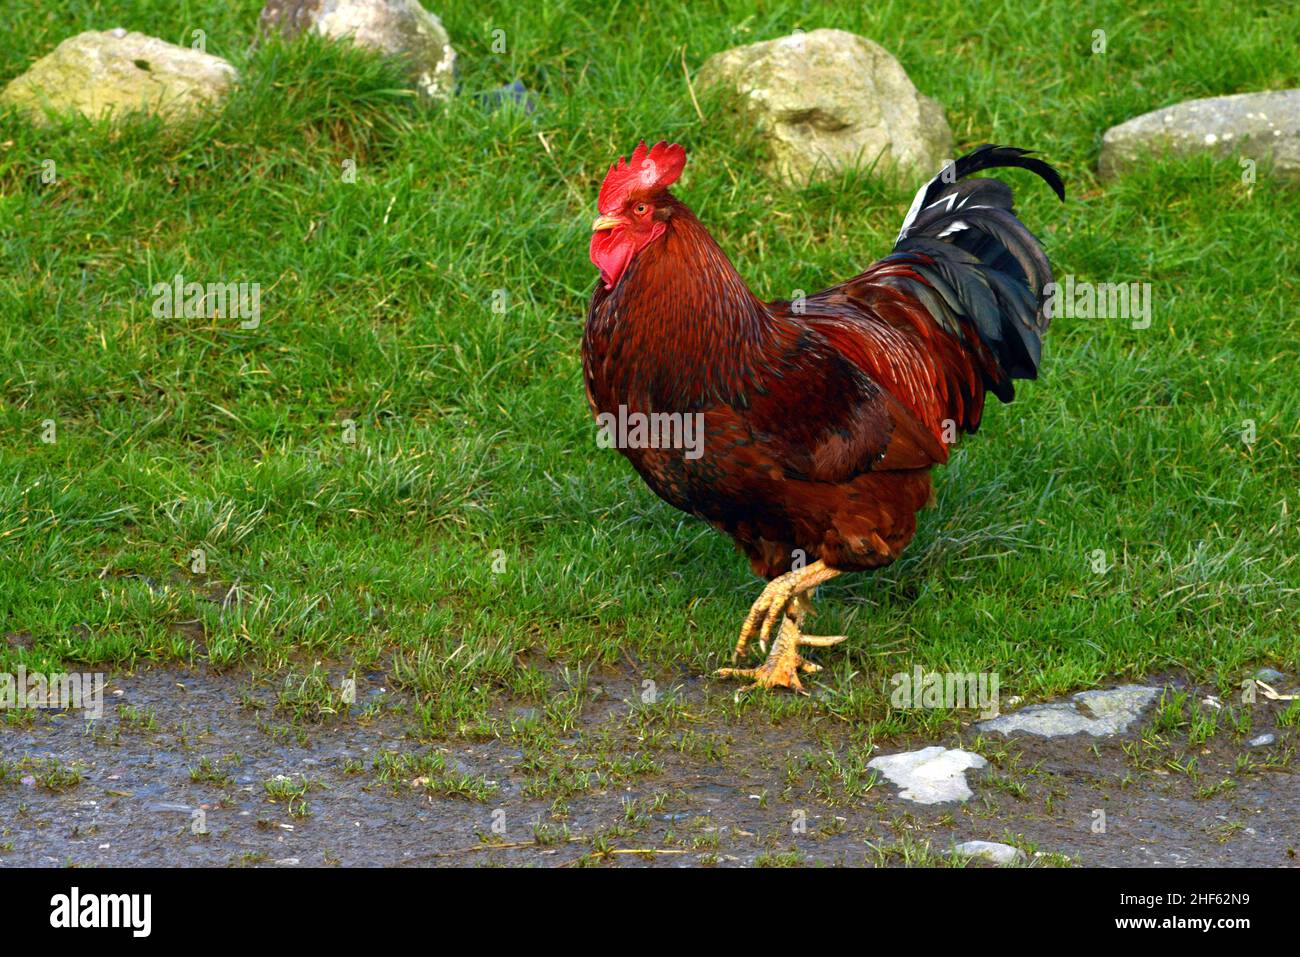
column 1263, row 741
column 932, row 775
column 1269, row 676
column 400, row 28
column 990, row 851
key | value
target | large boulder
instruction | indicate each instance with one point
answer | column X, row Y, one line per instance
column 1251, row 126
column 399, row 28
column 827, row 100
column 115, row 72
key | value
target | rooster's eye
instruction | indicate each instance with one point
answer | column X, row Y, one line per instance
column 639, row 209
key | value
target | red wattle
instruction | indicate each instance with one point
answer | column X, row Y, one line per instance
column 611, row 253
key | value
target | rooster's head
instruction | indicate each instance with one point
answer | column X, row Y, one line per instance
column 632, row 214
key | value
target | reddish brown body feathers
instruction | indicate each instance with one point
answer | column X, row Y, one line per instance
column 822, row 420
column 802, row 448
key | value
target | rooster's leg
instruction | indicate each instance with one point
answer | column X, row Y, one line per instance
column 783, row 665
column 776, row 598
column 788, row 595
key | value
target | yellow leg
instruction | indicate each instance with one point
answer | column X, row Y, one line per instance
column 784, row 664
column 787, row 596
column 775, row 599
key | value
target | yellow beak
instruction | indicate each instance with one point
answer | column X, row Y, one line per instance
column 606, row 222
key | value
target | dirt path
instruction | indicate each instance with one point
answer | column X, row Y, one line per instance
column 194, row 767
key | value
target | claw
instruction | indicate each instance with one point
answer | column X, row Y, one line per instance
column 762, row 680
column 774, row 673
column 821, row 641
column 784, row 664
column 777, row 599
column 760, row 611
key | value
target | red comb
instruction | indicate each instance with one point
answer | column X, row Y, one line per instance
column 660, row 166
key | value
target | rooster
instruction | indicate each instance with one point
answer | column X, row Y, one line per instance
column 823, row 416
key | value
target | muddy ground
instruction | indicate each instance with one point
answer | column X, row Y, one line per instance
column 189, row 766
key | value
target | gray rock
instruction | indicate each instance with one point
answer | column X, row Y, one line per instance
column 991, row 851
column 1099, row 713
column 1263, row 741
column 829, row 100
column 932, row 775
column 400, row 28
column 114, row 73
column 161, row 806
column 1269, row 676
column 1255, row 126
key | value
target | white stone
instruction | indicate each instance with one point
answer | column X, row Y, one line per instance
column 932, row 775
column 990, row 851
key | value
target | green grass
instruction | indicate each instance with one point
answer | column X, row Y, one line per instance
column 473, row 540
column 430, row 773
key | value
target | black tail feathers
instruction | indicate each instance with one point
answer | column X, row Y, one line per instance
column 980, row 262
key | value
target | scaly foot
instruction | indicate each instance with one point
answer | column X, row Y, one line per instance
column 783, row 665
column 775, row 601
